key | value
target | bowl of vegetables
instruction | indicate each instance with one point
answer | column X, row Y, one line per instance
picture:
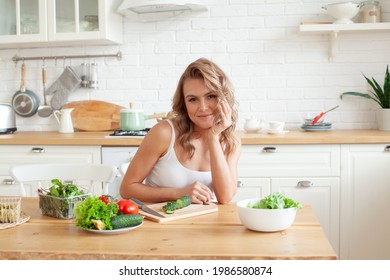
column 60, row 199
column 269, row 214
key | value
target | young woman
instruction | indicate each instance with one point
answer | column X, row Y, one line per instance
column 195, row 153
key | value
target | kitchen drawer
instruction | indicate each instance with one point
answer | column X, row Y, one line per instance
column 11, row 155
column 289, row 160
column 252, row 187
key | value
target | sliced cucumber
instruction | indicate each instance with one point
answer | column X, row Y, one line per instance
column 182, row 202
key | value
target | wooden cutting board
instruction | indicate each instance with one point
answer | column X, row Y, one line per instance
column 186, row 212
column 95, row 115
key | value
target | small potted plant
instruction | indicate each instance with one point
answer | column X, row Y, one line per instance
column 380, row 95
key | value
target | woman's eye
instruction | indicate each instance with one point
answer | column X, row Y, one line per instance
column 191, row 99
column 212, row 96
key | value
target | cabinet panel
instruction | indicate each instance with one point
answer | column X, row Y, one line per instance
column 252, row 188
column 365, row 193
column 88, row 21
column 41, row 23
column 289, row 160
column 287, row 165
column 26, row 154
column 323, row 196
column 22, row 21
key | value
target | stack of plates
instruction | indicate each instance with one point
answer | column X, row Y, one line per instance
column 317, row 127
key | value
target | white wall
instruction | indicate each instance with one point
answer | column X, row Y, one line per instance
column 278, row 72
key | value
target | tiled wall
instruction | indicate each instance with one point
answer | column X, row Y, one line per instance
column 278, row 72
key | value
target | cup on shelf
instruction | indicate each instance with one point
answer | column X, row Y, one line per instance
column 276, row 126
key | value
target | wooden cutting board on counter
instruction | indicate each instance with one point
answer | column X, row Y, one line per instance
column 95, row 115
column 186, row 212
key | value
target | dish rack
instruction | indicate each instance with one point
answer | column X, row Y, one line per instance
column 10, row 209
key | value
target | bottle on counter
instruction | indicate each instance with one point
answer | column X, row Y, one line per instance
column 370, row 12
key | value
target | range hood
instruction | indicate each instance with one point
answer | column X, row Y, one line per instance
column 153, row 10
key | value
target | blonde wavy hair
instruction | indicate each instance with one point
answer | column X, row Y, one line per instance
column 217, row 82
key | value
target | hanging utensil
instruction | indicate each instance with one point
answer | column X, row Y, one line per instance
column 45, row 110
column 319, row 116
column 25, row 102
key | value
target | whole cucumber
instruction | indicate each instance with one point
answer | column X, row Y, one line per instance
column 126, row 220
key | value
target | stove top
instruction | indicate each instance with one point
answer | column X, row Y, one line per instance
column 129, row 133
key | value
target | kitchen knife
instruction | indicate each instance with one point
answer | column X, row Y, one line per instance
column 145, row 208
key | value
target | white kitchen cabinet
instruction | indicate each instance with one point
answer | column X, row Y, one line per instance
column 309, row 174
column 11, row 155
column 23, row 21
column 252, row 187
column 37, row 23
column 323, row 196
column 365, row 196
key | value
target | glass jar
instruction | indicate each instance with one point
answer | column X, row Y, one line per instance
column 93, row 80
column 370, row 12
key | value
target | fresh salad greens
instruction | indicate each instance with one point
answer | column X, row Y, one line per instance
column 275, row 201
column 60, row 199
column 93, row 209
column 63, row 190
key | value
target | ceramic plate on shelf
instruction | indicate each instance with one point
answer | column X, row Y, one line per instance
column 114, row 231
column 317, row 127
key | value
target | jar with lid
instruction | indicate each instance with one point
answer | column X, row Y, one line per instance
column 370, row 12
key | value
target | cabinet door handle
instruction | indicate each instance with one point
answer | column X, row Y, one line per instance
column 38, row 150
column 269, row 150
column 8, row 182
column 240, row 184
column 305, row 184
column 387, row 148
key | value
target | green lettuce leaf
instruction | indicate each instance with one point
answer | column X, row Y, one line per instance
column 275, row 201
column 92, row 208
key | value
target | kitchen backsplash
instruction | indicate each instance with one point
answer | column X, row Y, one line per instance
column 278, row 72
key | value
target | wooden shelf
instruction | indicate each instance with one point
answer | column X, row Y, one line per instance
column 334, row 29
column 323, row 28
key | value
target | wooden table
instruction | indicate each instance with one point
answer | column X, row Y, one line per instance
column 214, row 236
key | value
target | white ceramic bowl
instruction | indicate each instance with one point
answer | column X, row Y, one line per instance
column 265, row 220
column 343, row 12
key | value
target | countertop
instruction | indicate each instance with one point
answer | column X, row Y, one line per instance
column 292, row 137
column 219, row 234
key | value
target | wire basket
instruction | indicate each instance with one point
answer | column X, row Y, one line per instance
column 59, row 207
column 10, row 208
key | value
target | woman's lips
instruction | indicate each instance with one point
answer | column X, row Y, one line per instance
column 203, row 116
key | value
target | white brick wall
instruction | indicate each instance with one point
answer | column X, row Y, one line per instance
column 278, row 73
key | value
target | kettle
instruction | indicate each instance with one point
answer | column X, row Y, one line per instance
column 64, row 119
column 7, row 120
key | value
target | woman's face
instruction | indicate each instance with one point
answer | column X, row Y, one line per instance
column 200, row 103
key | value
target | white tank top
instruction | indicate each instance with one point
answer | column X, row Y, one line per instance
column 169, row 172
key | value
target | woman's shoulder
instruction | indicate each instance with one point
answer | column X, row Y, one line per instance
column 160, row 134
column 162, row 128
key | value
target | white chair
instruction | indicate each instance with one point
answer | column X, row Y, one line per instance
column 84, row 175
column 123, row 168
